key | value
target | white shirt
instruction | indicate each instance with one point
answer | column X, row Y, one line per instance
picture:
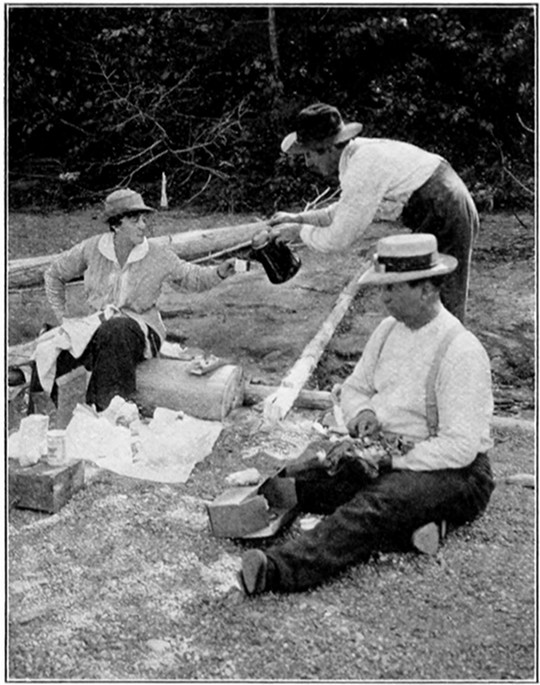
column 377, row 178
column 393, row 385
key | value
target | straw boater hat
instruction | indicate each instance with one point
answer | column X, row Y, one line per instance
column 122, row 202
column 316, row 126
column 407, row 257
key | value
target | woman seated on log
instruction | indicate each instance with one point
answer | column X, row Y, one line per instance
column 123, row 275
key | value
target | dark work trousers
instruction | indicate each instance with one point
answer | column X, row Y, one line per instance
column 111, row 356
column 381, row 514
column 444, row 207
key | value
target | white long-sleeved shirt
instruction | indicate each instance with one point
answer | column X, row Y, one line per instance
column 392, row 382
column 377, row 178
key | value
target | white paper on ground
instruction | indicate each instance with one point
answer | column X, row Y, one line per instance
column 170, row 445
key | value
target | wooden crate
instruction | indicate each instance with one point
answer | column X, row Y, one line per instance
column 255, row 510
column 44, row 487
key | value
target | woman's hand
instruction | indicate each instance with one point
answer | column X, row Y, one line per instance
column 363, row 424
column 226, row 269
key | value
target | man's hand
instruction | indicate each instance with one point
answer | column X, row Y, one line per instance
column 226, row 269
column 363, row 424
column 289, row 233
column 284, row 218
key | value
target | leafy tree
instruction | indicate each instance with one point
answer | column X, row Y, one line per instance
column 107, row 96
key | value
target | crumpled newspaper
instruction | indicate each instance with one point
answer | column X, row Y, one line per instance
column 164, row 450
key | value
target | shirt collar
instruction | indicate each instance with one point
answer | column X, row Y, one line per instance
column 106, row 247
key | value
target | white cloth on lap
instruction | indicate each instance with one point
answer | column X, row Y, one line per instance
column 73, row 335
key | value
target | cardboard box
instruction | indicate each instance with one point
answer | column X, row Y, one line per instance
column 254, row 510
column 44, row 487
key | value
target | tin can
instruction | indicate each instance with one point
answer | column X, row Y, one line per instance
column 278, row 260
column 56, row 447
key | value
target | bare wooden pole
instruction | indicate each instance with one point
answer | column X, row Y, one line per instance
column 188, row 245
column 306, row 399
column 322, row 399
column 277, row 405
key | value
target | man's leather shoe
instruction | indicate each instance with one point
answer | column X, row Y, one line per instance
column 252, row 575
column 427, row 538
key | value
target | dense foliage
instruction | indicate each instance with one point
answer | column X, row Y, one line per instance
column 101, row 97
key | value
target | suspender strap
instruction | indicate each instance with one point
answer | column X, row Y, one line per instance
column 385, row 337
column 432, row 413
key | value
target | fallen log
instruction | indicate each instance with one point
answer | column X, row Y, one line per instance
column 277, row 405
column 322, row 399
column 254, row 393
column 190, row 245
column 306, row 399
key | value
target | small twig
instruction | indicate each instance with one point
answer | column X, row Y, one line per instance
column 201, row 190
column 527, row 128
column 507, row 171
column 317, row 201
column 74, row 126
column 126, row 160
column 522, row 185
column 127, row 179
column 227, row 250
column 520, row 221
column 311, row 205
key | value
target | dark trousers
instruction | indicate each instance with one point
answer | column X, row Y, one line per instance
column 112, row 356
column 382, row 514
column 444, row 207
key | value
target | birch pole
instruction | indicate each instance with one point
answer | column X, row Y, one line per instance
column 189, row 245
column 277, row 405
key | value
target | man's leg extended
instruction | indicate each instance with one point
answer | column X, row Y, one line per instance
column 384, row 512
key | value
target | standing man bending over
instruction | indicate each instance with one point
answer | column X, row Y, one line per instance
column 381, row 179
column 423, row 379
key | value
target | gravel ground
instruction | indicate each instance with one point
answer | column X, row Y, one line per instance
column 126, row 582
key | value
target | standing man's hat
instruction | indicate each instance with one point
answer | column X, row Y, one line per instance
column 407, row 257
column 122, row 202
column 316, row 126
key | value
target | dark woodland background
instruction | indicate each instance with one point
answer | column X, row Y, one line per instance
column 101, row 97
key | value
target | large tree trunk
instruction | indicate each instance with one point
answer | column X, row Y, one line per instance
column 189, row 245
column 272, row 35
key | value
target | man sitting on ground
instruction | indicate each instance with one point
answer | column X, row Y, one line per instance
column 423, row 379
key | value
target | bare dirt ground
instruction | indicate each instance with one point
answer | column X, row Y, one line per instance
column 265, row 327
column 126, row 582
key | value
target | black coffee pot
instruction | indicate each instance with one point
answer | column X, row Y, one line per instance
column 277, row 258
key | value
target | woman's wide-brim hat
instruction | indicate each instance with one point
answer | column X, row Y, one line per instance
column 407, row 257
column 318, row 126
column 122, row 202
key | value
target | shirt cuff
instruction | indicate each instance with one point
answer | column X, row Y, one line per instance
column 305, row 234
column 399, row 463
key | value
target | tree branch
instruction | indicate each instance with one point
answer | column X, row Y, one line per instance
column 529, row 130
